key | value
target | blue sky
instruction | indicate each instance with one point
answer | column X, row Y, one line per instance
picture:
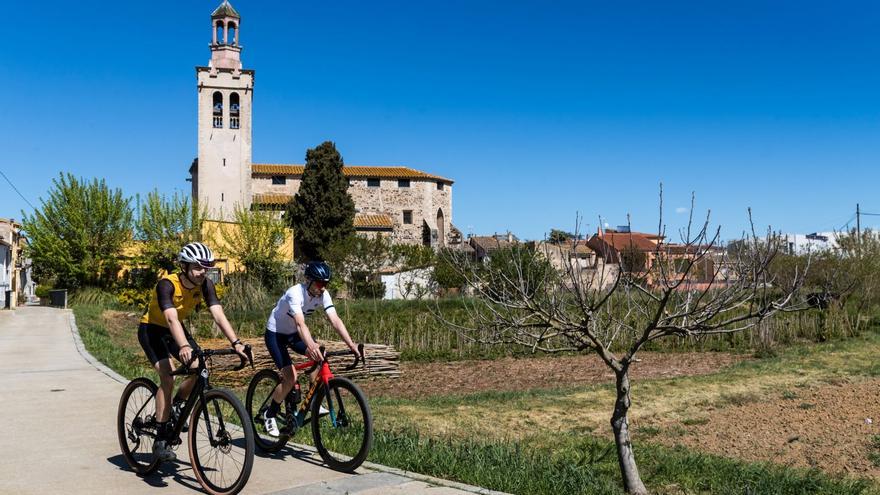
column 538, row 110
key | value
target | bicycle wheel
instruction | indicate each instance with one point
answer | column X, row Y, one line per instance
column 221, row 443
column 136, row 425
column 344, row 434
column 259, row 394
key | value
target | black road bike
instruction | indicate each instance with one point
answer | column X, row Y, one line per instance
column 336, row 408
column 220, row 436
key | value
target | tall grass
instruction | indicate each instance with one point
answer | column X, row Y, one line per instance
column 413, row 328
column 585, row 465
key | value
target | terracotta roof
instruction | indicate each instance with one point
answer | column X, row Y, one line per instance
column 489, row 243
column 628, row 240
column 374, row 221
column 579, row 246
column 272, row 199
column 225, row 10
column 349, row 171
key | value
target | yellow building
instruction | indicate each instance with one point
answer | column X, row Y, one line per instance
column 213, row 234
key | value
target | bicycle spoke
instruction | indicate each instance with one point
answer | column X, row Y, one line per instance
column 219, row 445
column 136, row 427
column 342, row 434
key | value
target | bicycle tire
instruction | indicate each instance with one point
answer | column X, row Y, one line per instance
column 258, row 391
column 344, row 436
column 134, row 411
column 234, row 437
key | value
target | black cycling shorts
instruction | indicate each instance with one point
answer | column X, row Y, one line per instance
column 277, row 343
column 158, row 344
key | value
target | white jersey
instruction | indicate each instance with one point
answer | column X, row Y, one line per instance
column 296, row 300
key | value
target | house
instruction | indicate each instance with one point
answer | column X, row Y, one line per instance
column 639, row 253
column 16, row 281
column 483, row 246
column 801, row 244
column 578, row 261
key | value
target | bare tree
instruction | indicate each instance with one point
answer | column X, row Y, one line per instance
column 691, row 289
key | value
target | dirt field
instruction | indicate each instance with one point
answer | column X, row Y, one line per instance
column 829, row 425
column 510, row 374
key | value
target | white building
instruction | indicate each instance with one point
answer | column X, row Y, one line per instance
column 811, row 243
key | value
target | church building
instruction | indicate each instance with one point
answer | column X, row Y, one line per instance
column 410, row 206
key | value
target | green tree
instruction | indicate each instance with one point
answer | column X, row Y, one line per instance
column 356, row 261
column 164, row 225
column 518, row 271
column 76, row 238
column 559, row 236
column 449, row 269
column 256, row 242
column 322, row 212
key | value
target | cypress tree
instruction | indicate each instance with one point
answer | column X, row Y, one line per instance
column 322, row 212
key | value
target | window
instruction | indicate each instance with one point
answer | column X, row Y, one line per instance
column 402, row 182
column 233, row 111
column 279, row 180
column 407, row 216
column 372, row 182
column 439, row 186
column 218, row 109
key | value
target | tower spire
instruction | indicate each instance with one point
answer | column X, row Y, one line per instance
column 225, row 48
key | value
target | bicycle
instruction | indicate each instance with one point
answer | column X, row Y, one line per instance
column 219, row 438
column 343, row 434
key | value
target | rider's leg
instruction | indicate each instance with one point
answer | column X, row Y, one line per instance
column 277, row 345
column 166, row 386
column 288, row 378
column 186, row 385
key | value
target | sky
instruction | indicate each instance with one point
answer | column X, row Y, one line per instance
column 542, row 112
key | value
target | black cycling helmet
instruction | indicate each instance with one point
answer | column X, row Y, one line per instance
column 318, row 271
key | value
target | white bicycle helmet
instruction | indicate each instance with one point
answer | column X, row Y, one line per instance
column 196, row 252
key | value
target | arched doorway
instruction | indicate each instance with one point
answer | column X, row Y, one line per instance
column 441, row 228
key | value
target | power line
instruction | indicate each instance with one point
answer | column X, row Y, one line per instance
column 16, row 190
column 845, row 226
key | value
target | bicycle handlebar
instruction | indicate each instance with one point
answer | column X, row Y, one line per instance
column 184, row 369
column 359, row 358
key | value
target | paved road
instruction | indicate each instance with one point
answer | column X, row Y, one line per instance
column 58, row 429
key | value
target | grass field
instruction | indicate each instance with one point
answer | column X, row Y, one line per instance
column 555, row 440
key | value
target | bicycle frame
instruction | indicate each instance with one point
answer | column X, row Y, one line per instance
column 198, row 392
column 324, row 377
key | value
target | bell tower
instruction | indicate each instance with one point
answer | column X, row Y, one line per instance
column 221, row 175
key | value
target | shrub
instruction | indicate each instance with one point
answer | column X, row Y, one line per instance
column 134, row 298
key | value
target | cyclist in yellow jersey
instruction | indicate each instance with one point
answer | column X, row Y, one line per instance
column 161, row 332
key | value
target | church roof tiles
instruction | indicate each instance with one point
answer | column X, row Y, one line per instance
column 350, row 171
column 225, row 10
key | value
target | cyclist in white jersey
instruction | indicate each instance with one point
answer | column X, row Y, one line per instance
column 287, row 328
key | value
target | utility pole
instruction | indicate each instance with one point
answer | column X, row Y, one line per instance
column 858, row 231
column 858, row 222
